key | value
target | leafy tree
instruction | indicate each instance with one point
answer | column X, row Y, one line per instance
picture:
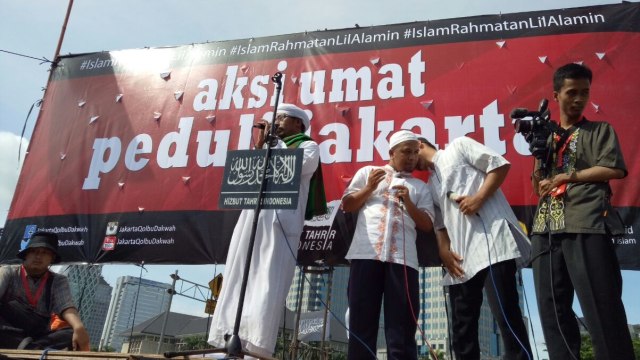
column 439, row 354
column 280, row 348
column 586, row 348
column 105, row 348
column 338, row 355
column 197, row 342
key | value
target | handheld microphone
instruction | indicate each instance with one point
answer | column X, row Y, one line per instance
column 259, row 126
column 455, row 198
column 452, row 196
column 398, row 176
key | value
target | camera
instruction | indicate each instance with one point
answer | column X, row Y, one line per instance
column 536, row 130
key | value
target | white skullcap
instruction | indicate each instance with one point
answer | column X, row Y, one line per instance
column 294, row 111
column 400, row 137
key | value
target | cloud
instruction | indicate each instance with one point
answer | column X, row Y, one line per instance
column 9, row 169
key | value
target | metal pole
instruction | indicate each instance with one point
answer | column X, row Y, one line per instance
column 326, row 311
column 166, row 314
column 284, row 331
column 63, row 31
column 135, row 305
column 294, row 341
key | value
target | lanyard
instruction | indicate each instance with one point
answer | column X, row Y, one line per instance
column 565, row 139
column 563, row 146
column 33, row 299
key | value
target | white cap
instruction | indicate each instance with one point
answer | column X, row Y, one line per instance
column 294, row 111
column 400, row 137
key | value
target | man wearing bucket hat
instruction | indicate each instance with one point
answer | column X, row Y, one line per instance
column 276, row 243
column 391, row 204
column 30, row 295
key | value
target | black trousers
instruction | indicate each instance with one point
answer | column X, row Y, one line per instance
column 16, row 324
column 586, row 264
column 466, row 301
column 10, row 338
column 369, row 282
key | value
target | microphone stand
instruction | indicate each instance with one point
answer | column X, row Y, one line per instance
column 233, row 344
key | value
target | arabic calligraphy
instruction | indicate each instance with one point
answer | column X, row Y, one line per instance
column 247, row 170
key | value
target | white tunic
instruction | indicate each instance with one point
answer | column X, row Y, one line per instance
column 384, row 228
column 272, row 267
column 461, row 168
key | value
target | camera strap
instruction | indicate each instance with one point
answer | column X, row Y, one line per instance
column 561, row 141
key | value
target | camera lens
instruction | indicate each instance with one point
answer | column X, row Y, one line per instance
column 522, row 126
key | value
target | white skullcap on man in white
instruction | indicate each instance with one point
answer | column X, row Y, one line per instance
column 294, row 111
column 401, row 136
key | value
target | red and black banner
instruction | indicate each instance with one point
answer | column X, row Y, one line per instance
column 128, row 153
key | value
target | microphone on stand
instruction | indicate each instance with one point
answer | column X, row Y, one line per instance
column 272, row 136
column 262, row 126
column 273, row 140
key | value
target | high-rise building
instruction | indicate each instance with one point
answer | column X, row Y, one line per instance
column 314, row 285
column 434, row 319
column 91, row 294
column 133, row 301
column 97, row 318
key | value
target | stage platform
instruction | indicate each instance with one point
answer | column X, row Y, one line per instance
column 90, row 355
column 76, row 355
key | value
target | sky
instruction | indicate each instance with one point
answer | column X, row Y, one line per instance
column 33, row 27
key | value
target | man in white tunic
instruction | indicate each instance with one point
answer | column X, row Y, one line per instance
column 384, row 262
column 276, row 243
column 480, row 242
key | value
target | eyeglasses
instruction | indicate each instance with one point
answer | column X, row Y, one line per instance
column 281, row 117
